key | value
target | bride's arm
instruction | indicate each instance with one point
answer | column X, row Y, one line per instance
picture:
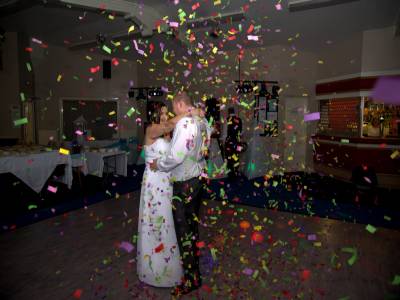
column 156, row 130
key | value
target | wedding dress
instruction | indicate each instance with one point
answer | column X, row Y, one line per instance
column 158, row 261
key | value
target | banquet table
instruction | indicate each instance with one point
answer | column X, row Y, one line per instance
column 34, row 169
column 97, row 161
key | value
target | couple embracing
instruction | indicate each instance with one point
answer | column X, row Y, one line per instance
column 168, row 235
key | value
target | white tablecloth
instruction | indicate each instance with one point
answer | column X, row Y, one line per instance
column 35, row 169
column 95, row 162
column 79, row 161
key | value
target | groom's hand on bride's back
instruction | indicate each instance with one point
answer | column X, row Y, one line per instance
column 153, row 165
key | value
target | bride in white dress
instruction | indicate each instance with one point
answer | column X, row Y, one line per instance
column 158, row 257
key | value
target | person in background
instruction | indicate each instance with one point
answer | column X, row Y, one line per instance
column 233, row 143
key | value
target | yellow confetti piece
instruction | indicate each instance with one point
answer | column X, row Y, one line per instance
column 111, row 17
column 321, row 62
column 116, row 44
column 217, row 2
column 394, row 154
column 88, row 57
column 59, row 77
column 171, row 114
column 317, row 244
column 132, row 28
column 215, row 50
column 64, row 151
column 111, row 113
column 256, row 184
column 167, row 61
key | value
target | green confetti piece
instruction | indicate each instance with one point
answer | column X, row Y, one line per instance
column 99, row 225
column 353, row 258
column 142, row 153
column 28, row 66
column 106, row 49
column 222, row 193
column 127, row 48
column 20, row 122
column 387, row 218
column 22, row 95
column 344, row 298
column 396, row 280
column 214, row 253
column 333, row 259
column 130, row 112
column 176, row 198
column 76, row 77
column 32, row 207
column 255, row 274
column 371, row 228
column 186, row 243
column 344, row 141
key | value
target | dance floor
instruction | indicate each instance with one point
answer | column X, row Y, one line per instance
column 79, row 255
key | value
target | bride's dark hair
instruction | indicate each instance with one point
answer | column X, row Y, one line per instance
column 154, row 113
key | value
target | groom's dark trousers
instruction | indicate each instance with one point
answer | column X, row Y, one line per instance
column 186, row 206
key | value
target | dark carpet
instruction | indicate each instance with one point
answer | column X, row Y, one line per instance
column 299, row 193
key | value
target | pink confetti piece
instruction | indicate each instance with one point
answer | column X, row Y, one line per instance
column 128, row 247
column 248, row 271
column 174, row 24
column 274, row 156
column 115, row 62
column 278, row 6
column 367, row 179
column 311, row 117
column 52, row 189
column 95, row 69
column 252, row 37
column 78, row 132
column 312, row 237
column 37, row 41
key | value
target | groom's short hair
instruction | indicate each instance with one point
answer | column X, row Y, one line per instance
column 184, row 97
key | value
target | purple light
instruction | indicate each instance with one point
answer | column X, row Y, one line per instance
column 387, row 90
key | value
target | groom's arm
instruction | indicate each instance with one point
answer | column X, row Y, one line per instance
column 181, row 145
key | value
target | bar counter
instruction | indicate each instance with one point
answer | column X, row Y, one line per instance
column 340, row 156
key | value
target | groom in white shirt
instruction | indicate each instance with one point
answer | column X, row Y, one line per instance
column 186, row 163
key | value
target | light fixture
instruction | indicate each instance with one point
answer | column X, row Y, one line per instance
column 131, row 93
column 141, row 95
column 263, row 90
column 155, row 92
column 275, row 90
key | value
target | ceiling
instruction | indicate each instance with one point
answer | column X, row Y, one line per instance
column 56, row 23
